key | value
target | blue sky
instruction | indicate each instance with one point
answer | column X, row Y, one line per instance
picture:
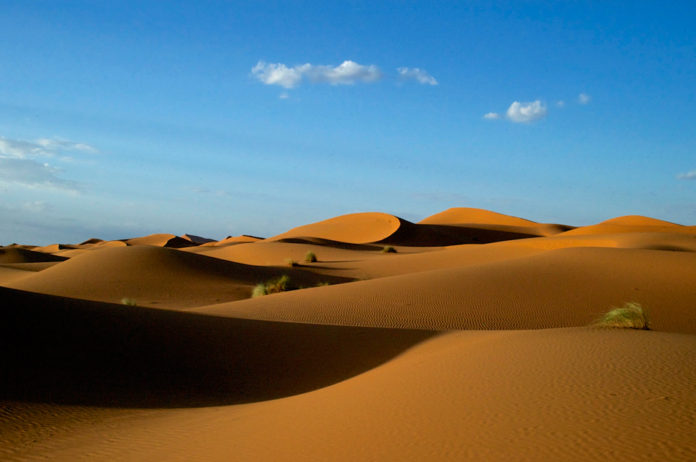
column 125, row 118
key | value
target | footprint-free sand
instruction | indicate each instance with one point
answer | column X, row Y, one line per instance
column 474, row 340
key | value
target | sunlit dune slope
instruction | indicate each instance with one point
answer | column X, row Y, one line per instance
column 480, row 218
column 355, row 228
column 365, row 228
column 559, row 394
column 10, row 274
column 632, row 224
column 19, row 255
column 565, row 287
column 467, row 215
column 232, row 240
column 546, row 395
column 76, row 351
column 156, row 276
column 161, row 240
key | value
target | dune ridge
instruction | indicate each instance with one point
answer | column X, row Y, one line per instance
column 156, row 276
column 474, row 340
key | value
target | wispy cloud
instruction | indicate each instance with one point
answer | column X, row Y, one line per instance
column 526, row 112
column 31, row 173
column 346, row 73
column 584, row 98
column 43, row 147
column 688, row 175
column 560, row 103
column 419, row 75
column 491, row 116
column 22, row 162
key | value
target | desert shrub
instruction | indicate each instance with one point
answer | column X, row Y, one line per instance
column 323, row 284
column 631, row 316
column 310, row 257
column 272, row 286
column 290, row 262
column 388, row 249
column 259, row 290
column 128, row 301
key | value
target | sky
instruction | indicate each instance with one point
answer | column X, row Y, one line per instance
column 121, row 119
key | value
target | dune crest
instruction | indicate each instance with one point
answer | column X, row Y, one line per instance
column 156, row 276
column 354, row 228
column 468, row 215
column 473, row 337
column 637, row 220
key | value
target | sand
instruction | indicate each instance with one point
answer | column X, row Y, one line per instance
column 474, row 341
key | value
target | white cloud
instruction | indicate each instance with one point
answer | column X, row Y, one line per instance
column 346, row 73
column 560, row 103
column 526, row 112
column 43, row 147
column 688, row 175
column 584, row 98
column 278, row 74
column 491, row 116
column 419, row 75
column 31, row 173
column 284, row 95
column 21, row 162
column 56, row 144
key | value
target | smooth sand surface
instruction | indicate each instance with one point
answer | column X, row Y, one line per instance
column 471, row 342
column 559, row 394
column 156, row 276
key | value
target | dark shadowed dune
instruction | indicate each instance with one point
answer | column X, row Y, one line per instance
column 62, row 350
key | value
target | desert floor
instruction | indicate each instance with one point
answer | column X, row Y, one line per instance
column 474, row 340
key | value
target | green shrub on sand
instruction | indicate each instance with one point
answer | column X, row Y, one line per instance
column 630, row 316
column 272, row 286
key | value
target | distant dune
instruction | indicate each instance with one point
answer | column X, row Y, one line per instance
column 472, row 339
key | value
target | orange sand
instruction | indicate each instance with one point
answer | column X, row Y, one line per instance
column 469, row 343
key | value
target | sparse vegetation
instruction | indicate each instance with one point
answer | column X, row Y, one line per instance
column 323, row 284
column 259, row 290
column 290, row 262
column 630, row 316
column 388, row 249
column 310, row 257
column 128, row 301
column 273, row 286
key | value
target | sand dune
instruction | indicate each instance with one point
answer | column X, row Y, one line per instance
column 560, row 288
column 428, row 355
column 81, row 352
column 633, row 224
column 233, row 240
column 18, row 255
column 155, row 276
column 638, row 220
column 197, row 240
column 562, row 394
column 160, row 240
column 366, row 228
column 355, row 228
column 9, row 274
column 467, row 215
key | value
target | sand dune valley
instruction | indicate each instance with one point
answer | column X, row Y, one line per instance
column 470, row 335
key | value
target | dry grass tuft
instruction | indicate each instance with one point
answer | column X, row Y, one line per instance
column 630, row 316
column 272, row 286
